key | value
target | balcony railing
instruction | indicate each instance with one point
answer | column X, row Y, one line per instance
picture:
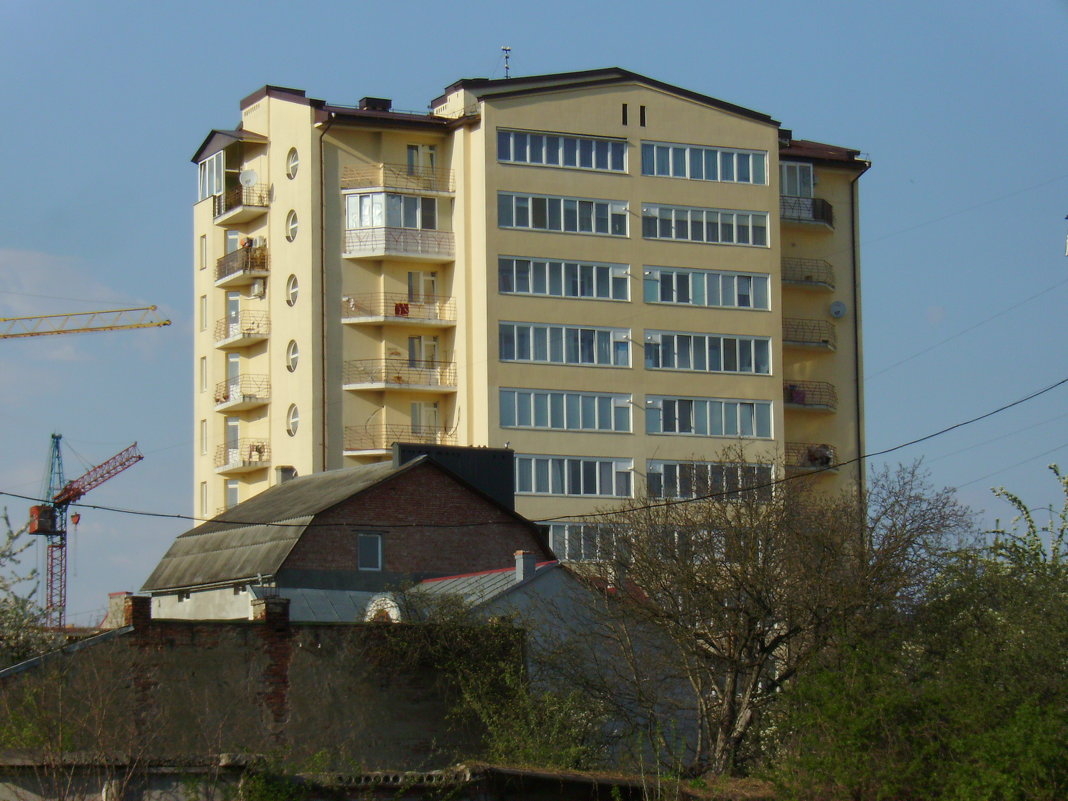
column 256, row 196
column 243, row 262
column 806, row 209
column 810, row 456
column 243, row 455
column 808, row 272
column 409, row 242
column 810, row 394
column 248, row 326
column 398, row 307
column 372, row 438
column 397, row 176
column 243, row 391
column 809, row 333
column 400, row 373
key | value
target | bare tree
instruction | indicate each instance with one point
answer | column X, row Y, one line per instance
column 21, row 621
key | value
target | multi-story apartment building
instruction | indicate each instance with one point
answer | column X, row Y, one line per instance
column 619, row 278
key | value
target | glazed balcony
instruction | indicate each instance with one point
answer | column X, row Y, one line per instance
column 806, row 210
column 377, row 440
column 405, row 244
column 808, row 334
column 247, row 328
column 241, row 204
column 806, row 457
column 242, row 392
column 242, row 267
column 397, row 176
column 815, row 395
column 409, row 375
column 808, row 273
column 243, row 456
column 396, row 308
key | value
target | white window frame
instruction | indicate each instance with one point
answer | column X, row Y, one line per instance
column 292, row 290
column 292, row 356
column 537, row 474
column 697, row 163
column 365, row 210
column 734, row 418
column 689, row 351
column 560, row 214
column 292, row 420
column 211, row 176
column 530, row 342
column 662, row 475
column 557, row 410
column 292, row 163
column 203, row 373
column 292, row 225
column 706, row 288
column 577, row 542
column 361, row 538
column 797, row 179
column 563, row 278
column 203, row 437
column 743, row 228
column 549, row 149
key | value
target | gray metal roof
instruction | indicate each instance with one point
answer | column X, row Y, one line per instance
column 477, row 588
column 240, row 543
column 321, row 606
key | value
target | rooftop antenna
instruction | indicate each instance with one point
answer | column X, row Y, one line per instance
column 507, row 54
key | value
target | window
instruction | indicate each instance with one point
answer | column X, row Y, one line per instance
column 292, row 163
column 292, row 225
column 292, row 420
column 203, row 498
column 233, row 240
column 796, row 179
column 422, row 351
column 426, row 417
column 624, row 114
column 699, row 479
column 704, row 163
column 203, row 258
column 210, row 176
column 203, row 312
column 422, row 158
column 422, row 287
column 231, row 491
column 706, row 288
column 711, row 353
column 557, row 150
column 575, row 542
column 563, row 279
column 382, row 209
column 564, row 344
column 292, row 355
column 292, row 290
column 203, row 373
column 713, row 226
column 641, row 116
column 572, row 215
column 564, row 411
column 369, row 551
column 572, row 475
column 286, row 473
column 707, row 417
column 203, row 437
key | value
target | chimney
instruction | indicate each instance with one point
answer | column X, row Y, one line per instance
column 272, row 610
column 525, row 562
column 137, row 611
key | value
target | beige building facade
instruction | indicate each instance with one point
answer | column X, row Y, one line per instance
column 620, row 279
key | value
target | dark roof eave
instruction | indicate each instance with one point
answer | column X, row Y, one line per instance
column 236, row 135
column 824, row 154
column 344, row 115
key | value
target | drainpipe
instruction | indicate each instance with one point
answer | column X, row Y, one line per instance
column 322, row 289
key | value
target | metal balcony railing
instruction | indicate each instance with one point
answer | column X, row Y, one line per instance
column 245, row 452
column 813, row 272
column 397, row 176
column 810, row 456
column 814, row 394
column 399, row 305
column 257, row 195
column 806, row 209
column 243, row 389
column 399, row 242
column 245, row 324
column 360, row 438
column 399, row 373
column 242, row 260
column 809, row 333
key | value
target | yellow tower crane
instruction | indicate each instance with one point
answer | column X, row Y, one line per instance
column 80, row 322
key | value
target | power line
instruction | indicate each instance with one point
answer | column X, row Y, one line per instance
column 1011, row 466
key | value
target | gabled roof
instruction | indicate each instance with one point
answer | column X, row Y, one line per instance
column 217, row 140
column 478, row 588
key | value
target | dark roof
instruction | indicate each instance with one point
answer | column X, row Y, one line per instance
column 320, row 606
column 533, row 84
column 818, row 151
column 217, row 140
column 477, row 588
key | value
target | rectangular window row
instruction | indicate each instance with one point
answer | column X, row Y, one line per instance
column 565, row 279
column 555, row 150
column 714, row 226
column 564, row 344
column 698, row 479
column 564, row 411
column 708, row 417
column 706, row 288
column 568, row 475
column 383, row 209
column 704, row 163
column 575, row 542
column 709, row 353
column 573, row 215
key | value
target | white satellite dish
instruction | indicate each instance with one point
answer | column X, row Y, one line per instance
column 838, row 309
column 248, row 178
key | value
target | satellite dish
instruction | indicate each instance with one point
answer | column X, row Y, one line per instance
column 838, row 309
column 248, row 178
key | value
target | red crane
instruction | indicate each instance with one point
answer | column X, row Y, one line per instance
column 50, row 519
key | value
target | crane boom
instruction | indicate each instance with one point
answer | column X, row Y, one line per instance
column 96, row 476
column 80, row 322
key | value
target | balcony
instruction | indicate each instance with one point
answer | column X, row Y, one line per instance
column 241, row 204
column 817, row 396
column 808, row 273
column 396, row 308
column 808, row 457
column 242, row 456
column 410, row 375
column 377, row 440
column 405, row 244
column 242, row 392
column 247, row 328
column 397, row 176
column 241, row 267
column 808, row 334
column 806, row 210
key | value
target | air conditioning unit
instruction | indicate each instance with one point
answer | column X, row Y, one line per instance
column 259, row 241
column 259, row 288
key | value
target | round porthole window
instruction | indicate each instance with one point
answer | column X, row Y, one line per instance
column 292, row 420
column 292, row 355
column 292, row 225
column 292, row 163
column 292, row 290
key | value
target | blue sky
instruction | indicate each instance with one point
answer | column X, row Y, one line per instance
column 963, row 229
